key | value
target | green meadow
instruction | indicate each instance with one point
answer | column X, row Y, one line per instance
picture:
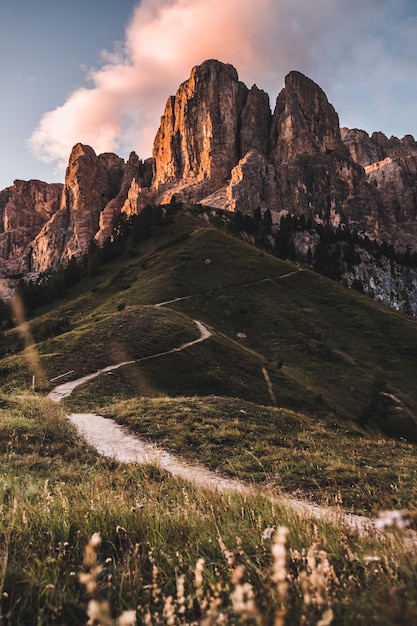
column 303, row 388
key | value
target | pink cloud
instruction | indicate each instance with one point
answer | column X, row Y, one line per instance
column 166, row 38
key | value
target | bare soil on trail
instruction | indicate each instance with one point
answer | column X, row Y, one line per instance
column 65, row 389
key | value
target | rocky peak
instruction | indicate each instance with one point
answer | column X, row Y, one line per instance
column 367, row 150
column 91, row 182
column 133, row 195
column 304, row 121
column 211, row 122
column 197, row 138
column 255, row 122
column 362, row 148
column 391, row 169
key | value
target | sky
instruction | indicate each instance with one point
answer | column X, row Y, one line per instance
column 100, row 71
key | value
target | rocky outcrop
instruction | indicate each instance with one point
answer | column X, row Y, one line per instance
column 252, row 185
column 97, row 188
column 384, row 280
column 304, row 123
column 255, row 122
column 367, row 150
column 391, row 169
column 91, row 182
column 205, row 127
column 197, row 138
column 24, row 208
column 316, row 175
column 133, row 195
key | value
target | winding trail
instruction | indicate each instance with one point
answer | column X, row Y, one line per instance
column 217, row 290
column 115, row 441
column 65, row 389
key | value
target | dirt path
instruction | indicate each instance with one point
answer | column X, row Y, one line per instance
column 218, row 290
column 65, row 389
column 114, row 441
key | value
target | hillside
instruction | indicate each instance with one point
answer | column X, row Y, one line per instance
column 281, row 336
column 303, row 385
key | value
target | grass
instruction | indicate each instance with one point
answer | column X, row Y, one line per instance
column 155, row 530
column 340, row 370
column 278, row 447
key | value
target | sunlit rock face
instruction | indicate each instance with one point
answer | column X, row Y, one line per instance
column 91, row 181
column 205, row 128
column 96, row 190
column 24, row 208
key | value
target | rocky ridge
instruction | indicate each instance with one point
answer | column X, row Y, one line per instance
column 220, row 144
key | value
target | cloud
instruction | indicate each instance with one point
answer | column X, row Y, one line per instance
column 356, row 51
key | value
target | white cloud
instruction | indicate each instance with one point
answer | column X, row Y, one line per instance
column 356, row 51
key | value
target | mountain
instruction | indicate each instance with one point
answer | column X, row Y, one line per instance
column 220, row 144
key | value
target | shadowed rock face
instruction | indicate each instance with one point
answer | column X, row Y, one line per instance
column 304, row 122
column 219, row 143
column 391, row 169
column 315, row 173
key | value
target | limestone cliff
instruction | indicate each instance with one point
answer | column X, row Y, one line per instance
column 391, row 168
column 91, row 182
column 304, row 122
column 252, row 184
column 316, row 175
column 24, row 208
column 133, row 195
column 205, row 127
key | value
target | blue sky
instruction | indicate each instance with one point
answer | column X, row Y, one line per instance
column 46, row 47
column 100, row 71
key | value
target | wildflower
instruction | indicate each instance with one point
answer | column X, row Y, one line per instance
column 243, row 597
column 279, row 575
column 99, row 613
column 267, row 533
column 95, row 540
column 198, row 577
column 326, row 618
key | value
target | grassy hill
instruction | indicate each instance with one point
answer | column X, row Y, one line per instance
column 326, row 349
column 303, row 385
